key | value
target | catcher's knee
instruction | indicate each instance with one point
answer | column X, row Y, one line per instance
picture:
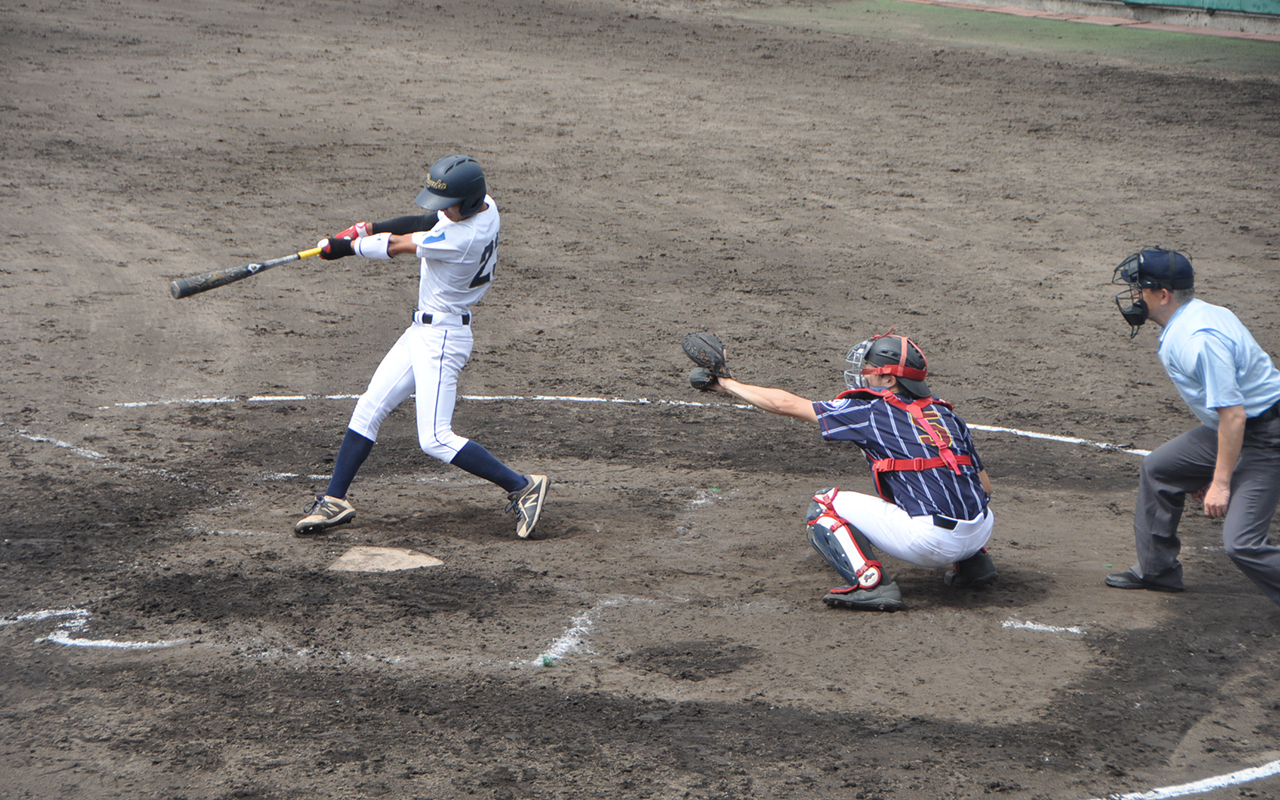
column 821, row 504
column 844, row 547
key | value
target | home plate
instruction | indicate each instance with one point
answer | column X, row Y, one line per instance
column 382, row 559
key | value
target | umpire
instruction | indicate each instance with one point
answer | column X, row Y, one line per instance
column 1232, row 461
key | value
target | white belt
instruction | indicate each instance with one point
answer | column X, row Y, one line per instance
column 430, row 318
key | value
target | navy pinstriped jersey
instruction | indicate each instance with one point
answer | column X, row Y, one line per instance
column 884, row 431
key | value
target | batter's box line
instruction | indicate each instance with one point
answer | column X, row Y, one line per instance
column 1042, row 628
column 579, row 627
column 77, row 620
column 105, row 460
column 607, row 400
column 1204, row 785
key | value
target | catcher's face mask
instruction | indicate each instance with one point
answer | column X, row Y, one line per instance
column 853, row 378
column 1128, row 274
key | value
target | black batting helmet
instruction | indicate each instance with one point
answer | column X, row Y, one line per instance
column 453, row 180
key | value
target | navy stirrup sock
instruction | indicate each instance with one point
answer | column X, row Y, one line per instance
column 481, row 463
column 354, row 450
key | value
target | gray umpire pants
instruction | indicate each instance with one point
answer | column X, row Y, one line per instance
column 1185, row 464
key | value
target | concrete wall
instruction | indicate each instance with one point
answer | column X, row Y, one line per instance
column 1245, row 6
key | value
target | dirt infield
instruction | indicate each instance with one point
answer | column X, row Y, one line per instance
column 660, row 168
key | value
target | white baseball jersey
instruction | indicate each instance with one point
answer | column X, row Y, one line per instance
column 458, row 259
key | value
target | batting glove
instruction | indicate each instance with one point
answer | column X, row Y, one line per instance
column 356, row 231
column 332, row 249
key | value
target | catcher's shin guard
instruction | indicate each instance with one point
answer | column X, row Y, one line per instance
column 844, row 547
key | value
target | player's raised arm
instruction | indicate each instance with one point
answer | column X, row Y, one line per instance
column 411, row 223
column 376, row 245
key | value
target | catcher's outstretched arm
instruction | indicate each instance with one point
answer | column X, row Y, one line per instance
column 775, row 401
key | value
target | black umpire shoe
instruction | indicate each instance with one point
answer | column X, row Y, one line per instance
column 1130, row 580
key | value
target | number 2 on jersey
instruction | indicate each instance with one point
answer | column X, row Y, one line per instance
column 488, row 260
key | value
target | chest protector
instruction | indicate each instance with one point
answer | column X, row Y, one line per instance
column 938, row 435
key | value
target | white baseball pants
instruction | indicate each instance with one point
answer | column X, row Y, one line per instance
column 918, row 540
column 424, row 361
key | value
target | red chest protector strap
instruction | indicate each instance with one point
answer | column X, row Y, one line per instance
column 945, row 457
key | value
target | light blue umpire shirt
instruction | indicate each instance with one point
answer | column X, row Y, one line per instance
column 1215, row 362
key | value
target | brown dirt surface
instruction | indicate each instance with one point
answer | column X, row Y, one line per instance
column 661, row 168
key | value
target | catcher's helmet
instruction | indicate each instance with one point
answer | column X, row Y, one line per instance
column 888, row 354
column 453, row 180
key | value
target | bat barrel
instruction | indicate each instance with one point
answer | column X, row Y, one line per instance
column 185, row 287
column 180, row 288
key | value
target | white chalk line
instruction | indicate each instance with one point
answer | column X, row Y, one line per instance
column 288, row 476
column 80, row 451
column 36, row 616
column 1196, row 787
column 1036, row 626
column 93, row 455
column 579, row 626
column 60, row 637
column 473, row 397
column 1202, row 786
column 611, row 400
column 1067, row 439
column 79, row 620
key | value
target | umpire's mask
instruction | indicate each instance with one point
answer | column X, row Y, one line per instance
column 1149, row 269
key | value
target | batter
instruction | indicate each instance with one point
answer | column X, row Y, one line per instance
column 931, row 509
column 457, row 243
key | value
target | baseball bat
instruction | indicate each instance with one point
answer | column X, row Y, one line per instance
column 185, row 287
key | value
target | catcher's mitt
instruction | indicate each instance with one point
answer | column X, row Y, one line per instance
column 701, row 379
column 705, row 350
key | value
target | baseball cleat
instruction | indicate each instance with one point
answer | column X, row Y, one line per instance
column 1130, row 580
column 976, row 570
column 324, row 512
column 885, row 597
column 527, row 504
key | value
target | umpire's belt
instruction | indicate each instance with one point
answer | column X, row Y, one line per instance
column 1269, row 414
column 423, row 318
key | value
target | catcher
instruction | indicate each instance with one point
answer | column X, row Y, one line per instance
column 932, row 509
